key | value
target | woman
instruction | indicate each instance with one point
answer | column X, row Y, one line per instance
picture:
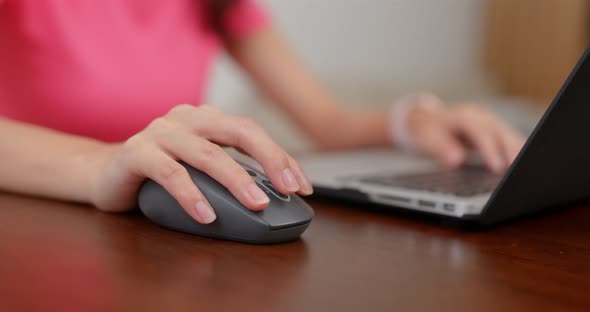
column 90, row 94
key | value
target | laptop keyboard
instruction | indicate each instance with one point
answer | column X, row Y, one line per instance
column 469, row 181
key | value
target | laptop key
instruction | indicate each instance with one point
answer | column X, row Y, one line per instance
column 467, row 182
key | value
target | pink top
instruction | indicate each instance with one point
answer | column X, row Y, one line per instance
column 105, row 69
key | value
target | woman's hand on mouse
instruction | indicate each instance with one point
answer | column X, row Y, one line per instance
column 194, row 135
column 426, row 125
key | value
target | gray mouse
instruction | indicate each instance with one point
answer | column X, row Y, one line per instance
column 284, row 219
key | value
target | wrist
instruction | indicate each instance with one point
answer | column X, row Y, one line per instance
column 402, row 123
column 97, row 161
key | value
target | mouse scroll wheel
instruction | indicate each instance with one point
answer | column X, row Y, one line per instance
column 272, row 189
column 251, row 172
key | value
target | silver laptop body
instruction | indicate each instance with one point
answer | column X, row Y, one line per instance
column 387, row 177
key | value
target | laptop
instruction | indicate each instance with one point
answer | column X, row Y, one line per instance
column 552, row 169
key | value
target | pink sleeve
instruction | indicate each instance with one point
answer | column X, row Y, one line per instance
column 244, row 18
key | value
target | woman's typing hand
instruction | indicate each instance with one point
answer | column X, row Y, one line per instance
column 424, row 124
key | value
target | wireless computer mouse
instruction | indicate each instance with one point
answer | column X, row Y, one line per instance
column 284, row 219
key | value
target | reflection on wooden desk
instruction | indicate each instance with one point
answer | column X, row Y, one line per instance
column 60, row 256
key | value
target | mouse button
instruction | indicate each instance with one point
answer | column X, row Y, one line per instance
column 280, row 214
column 222, row 201
column 227, row 206
column 251, row 171
column 268, row 186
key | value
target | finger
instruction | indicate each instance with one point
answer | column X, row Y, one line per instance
column 443, row 145
column 211, row 159
column 483, row 138
column 247, row 135
column 306, row 187
column 512, row 142
column 173, row 177
column 300, row 176
column 257, row 143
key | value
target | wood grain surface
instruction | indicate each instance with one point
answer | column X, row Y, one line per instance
column 57, row 256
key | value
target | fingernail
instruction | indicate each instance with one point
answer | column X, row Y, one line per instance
column 306, row 187
column 257, row 195
column 289, row 180
column 205, row 212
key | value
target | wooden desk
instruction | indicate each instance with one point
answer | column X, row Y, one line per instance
column 59, row 257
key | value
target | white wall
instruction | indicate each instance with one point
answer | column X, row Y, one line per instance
column 371, row 51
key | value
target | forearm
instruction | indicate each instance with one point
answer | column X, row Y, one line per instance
column 355, row 128
column 43, row 162
column 278, row 74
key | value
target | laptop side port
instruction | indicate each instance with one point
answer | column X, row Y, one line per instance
column 426, row 204
column 449, row 207
column 394, row 198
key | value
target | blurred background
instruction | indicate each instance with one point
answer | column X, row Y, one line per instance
column 511, row 55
